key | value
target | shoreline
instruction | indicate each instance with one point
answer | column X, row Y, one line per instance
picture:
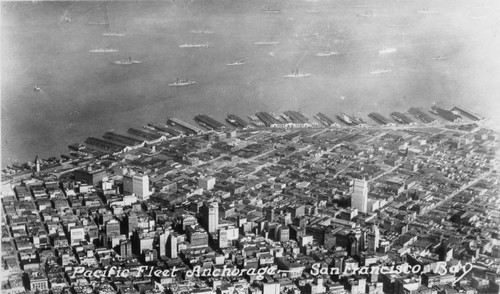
column 316, row 123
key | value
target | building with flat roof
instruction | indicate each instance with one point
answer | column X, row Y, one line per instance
column 359, row 199
column 137, row 184
column 210, row 216
column 206, row 183
column 89, row 175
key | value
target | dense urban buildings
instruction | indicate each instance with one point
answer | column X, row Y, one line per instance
column 299, row 206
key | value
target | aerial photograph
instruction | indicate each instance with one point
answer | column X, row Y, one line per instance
column 250, row 146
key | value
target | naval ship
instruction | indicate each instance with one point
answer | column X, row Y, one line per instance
column 295, row 74
column 103, row 50
column 189, row 45
column 367, row 13
column 127, row 61
column 180, row 83
column 387, row 51
column 327, row 53
column 380, row 71
column 425, row 11
column 113, row 35
column 236, row 62
column 201, row 32
column 271, row 11
column 440, row 57
column 266, row 43
column 357, row 120
column 345, row 118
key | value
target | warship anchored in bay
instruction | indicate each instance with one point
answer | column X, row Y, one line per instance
column 295, row 74
column 194, row 45
column 182, row 83
column 128, row 61
column 103, row 50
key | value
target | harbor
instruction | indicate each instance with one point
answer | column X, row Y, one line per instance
column 174, row 128
column 131, row 86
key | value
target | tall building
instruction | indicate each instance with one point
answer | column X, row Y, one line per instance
column 373, row 239
column 37, row 164
column 359, row 198
column 283, row 234
column 125, row 248
column 271, row 288
column 112, row 228
column 163, row 243
column 133, row 223
column 142, row 241
column 137, row 184
column 197, row 236
column 223, row 242
column 206, row 183
column 77, row 234
column 269, row 213
column 188, row 220
column 210, row 216
column 172, row 246
column 352, row 245
column 89, row 175
column 38, row 281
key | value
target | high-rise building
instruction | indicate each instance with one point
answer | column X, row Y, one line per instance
column 133, row 222
column 359, row 198
column 172, row 246
column 142, row 241
column 271, row 288
column 283, row 234
column 137, row 184
column 188, row 220
column 374, row 239
column 197, row 236
column 112, row 228
column 90, row 175
column 163, row 243
column 206, row 183
column 37, row 164
column 269, row 213
column 210, row 216
column 226, row 235
column 223, row 242
column 352, row 245
column 77, row 234
column 125, row 248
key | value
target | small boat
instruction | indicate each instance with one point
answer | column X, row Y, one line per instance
column 37, row 89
